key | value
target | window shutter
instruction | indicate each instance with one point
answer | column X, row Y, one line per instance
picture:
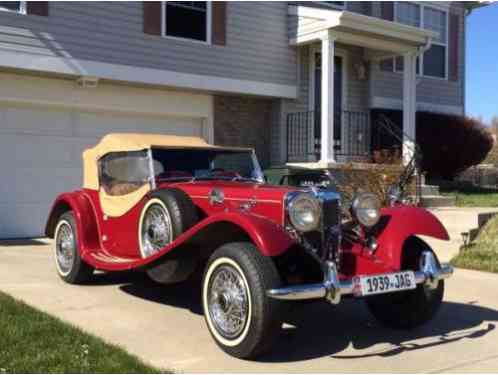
column 38, row 8
column 453, row 52
column 387, row 10
column 219, row 15
column 152, row 17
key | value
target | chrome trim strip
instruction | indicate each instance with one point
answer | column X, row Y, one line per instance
column 333, row 289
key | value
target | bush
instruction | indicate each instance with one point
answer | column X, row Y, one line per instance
column 450, row 144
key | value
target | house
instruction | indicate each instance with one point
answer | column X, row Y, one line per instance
column 299, row 81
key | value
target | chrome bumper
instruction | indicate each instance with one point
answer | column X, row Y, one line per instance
column 333, row 289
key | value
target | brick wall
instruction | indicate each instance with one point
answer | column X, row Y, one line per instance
column 244, row 121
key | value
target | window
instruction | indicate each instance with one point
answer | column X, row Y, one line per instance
column 123, row 173
column 13, row 6
column 408, row 14
column 435, row 57
column 187, row 20
column 434, row 62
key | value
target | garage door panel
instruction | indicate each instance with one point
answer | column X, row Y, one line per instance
column 28, row 185
column 42, row 151
column 98, row 124
column 23, row 220
column 40, row 157
column 35, row 121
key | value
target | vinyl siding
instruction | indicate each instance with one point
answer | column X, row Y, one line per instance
column 257, row 46
column 429, row 90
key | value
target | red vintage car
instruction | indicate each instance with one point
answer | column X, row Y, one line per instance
column 170, row 205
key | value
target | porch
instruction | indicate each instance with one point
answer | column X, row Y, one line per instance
column 341, row 50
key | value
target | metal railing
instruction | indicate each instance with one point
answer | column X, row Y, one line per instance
column 352, row 133
column 356, row 137
column 303, row 137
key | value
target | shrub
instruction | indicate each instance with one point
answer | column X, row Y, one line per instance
column 450, row 144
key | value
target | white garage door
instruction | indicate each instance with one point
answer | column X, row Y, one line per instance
column 40, row 156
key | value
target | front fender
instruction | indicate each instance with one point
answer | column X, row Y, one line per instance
column 79, row 203
column 399, row 223
column 270, row 238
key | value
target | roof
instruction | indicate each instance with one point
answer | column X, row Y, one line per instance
column 121, row 142
column 116, row 142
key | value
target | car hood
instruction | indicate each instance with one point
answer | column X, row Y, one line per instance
column 235, row 189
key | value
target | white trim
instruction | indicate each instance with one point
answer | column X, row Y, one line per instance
column 392, row 103
column 22, row 8
column 364, row 24
column 209, row 29
column 141, row 75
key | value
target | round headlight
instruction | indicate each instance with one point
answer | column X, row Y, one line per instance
column 304, row 212
column 366, row 209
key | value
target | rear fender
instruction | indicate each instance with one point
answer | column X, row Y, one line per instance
column 399, row 223
column 79, row 203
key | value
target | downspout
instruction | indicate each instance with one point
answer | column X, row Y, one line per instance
column 422, row 50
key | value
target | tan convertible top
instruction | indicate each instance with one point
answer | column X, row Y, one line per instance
column 119, row 142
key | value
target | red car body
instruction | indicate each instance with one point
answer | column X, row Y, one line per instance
column 168, row 205
column 263, row 222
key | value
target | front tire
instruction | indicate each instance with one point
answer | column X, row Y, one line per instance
column 243, row 321
column 70, row 267
column 413, row 308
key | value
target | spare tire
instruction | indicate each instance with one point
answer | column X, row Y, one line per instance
column 166, row 215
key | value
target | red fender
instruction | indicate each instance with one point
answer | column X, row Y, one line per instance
column 269, row 238
column 86, row 224
column 396, row 225
column 402, row 222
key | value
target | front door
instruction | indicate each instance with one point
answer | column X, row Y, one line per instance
column 317, row 77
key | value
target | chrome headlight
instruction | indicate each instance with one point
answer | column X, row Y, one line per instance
column 366, row 209
column 304, row 212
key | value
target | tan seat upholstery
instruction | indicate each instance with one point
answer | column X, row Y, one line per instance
column 122, row 188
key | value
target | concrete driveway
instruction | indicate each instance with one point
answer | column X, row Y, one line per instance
column 165, row 327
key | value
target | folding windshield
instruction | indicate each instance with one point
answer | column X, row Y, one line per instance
column 206, row 164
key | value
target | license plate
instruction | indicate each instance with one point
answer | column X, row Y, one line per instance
column 385, row 283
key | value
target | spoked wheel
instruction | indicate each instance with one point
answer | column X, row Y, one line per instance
column 70, row 267
column 228, row 301
column 156, row 230
column 243, row 321
column 165, row 216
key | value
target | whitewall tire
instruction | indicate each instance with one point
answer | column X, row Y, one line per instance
column 69, row 265
column 242, row 320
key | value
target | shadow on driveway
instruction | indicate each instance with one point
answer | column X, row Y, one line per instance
column 318, row 329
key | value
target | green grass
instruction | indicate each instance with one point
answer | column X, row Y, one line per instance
column 34, row 342
column 474, row 197
column 482, row 254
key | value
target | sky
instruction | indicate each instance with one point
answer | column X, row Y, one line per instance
column 482, row 63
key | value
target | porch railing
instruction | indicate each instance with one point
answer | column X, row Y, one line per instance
column 352, row 136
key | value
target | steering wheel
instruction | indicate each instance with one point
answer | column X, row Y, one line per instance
column 220, row 172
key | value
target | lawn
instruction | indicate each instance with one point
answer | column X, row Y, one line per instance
column 34, row 342
column 474, row 197
column 482, row 254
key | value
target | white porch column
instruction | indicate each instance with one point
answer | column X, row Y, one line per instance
column 409, row 105
column 327, row 104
